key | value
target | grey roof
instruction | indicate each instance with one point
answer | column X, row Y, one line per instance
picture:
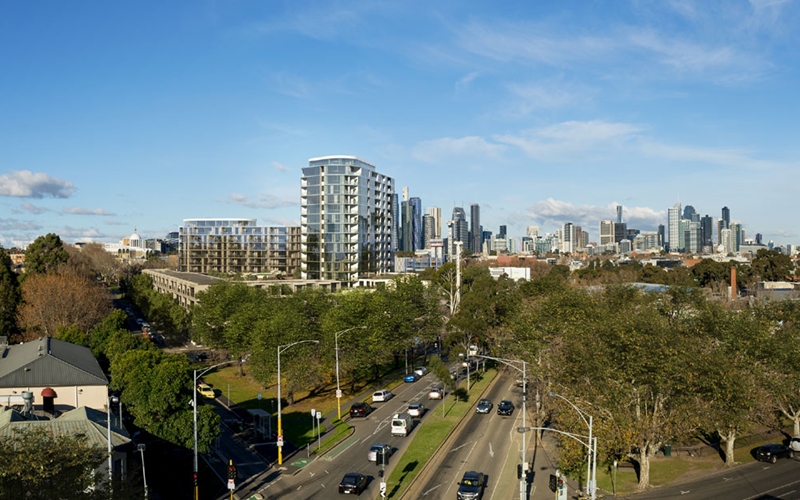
column 81, row 421
column 197, row 278
column 49, row 362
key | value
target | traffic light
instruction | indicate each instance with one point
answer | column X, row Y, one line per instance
column 380, row 472
column 519, row 471
column 194, row 478
column 231, row 471
column 560, row 484
column 553, row 482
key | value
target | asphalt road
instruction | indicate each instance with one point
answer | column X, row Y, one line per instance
column 755, row 481
column 487, row 443
column 320, row 478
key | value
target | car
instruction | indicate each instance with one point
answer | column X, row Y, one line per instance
column 378, row 452
column 772, row 452
column 411, row 377
column 353, row 483
column 471, row 486
column 505, row 407
column 520, row 382
column 421, row 371
column 200, row 356
column 415, row 409
column 794, row 444
column 360, row 409
column 436, row 393
column 454, row 374
column 139, row 321
column 484, row 406
column 382, row 396
column 206, row 391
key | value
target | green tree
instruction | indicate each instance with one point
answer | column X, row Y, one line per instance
column 9, row 296
column 771, row 265
column 155, row 388
column 45, row 254
column 36, row 464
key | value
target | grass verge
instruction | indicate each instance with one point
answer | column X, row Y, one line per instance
column 430, row 434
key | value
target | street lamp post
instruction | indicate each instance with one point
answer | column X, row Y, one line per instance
column 141, row 448
column 110, row 448
column 282, row 348
column 523, row 479
column 591, row 466
column 194, row 418
column 338, row 389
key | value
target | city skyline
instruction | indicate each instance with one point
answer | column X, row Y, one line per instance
column 140, row 116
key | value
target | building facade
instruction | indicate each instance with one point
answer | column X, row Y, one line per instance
column 237, row 246
column 345, row 219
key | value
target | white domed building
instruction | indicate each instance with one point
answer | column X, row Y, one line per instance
column 130, row 248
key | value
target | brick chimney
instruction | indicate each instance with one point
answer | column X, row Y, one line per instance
column 733, row 283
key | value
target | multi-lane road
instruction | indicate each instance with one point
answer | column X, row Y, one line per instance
column 320, row 478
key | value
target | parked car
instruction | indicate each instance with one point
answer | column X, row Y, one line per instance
column 382, row 396
column 360, row 409
column 411, row 377
column 421, row 371
column 454, row 374
column 378, row 452
column 353, row 483
column 505, row 407
column 436, row 393
column 772, row 452
column 415, row 409
column 206, row 391
column 484, row 406
column 794, row 444
column 471, row 486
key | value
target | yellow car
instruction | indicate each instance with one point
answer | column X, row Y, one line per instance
column 206, row 391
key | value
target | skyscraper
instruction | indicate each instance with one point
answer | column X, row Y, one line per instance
column 395, row 209
column 619, row 214
column 459, row 230
column 502, row 232
column 416, row 223
column 606, row 232
column 673, row 218
column 726, row 217
column 475, row 228
column 532, row 231
column 707, row 231
column 436, row 213
column 428, row 230
column 345, row 219
column 689, row 212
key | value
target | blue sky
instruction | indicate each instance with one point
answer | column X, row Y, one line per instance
column 123, row 115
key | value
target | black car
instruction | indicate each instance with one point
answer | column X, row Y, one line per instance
column 772, row 452
column 505, row 407
column 353, row 483
column 360, row 410
column 471, row 486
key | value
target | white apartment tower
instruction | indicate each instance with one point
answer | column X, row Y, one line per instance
column 345, row 219
column 436, row 213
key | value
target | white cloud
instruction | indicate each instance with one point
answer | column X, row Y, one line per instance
column 447, row 148
column 466, row 80
column 713, row 156
column 86, row 211
column 534, row 96
column 289, row 84
column 564, row 140
column 554, row 213
column 32, row 209
column 18, row 225
column 261, row 201
column 27, row 184
column 280, row 167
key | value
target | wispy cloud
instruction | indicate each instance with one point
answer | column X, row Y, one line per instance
column 281, row 167
column 31, row 209
column 529, row 97
column 18, row 225
column 27, row 184
column 448, row 148
column 466, row 80
column 261, row 201
column 289, row 84
column 565, row 140
column 86, row 211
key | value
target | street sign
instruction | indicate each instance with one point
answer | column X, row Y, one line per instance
column 313, row 412
column 319, row 415
column 383, row 489
column 280, row 440
column 338, row 393
column 259, row 396
column 231, row 484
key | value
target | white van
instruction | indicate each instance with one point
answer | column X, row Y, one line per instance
column 401, row 424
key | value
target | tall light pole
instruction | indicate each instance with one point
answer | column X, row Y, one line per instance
column 194, row 417
column 282, row 348
column 110, row 448
column 523, row 489
column 591, row 465
column 141, row 448
column 338, row 389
